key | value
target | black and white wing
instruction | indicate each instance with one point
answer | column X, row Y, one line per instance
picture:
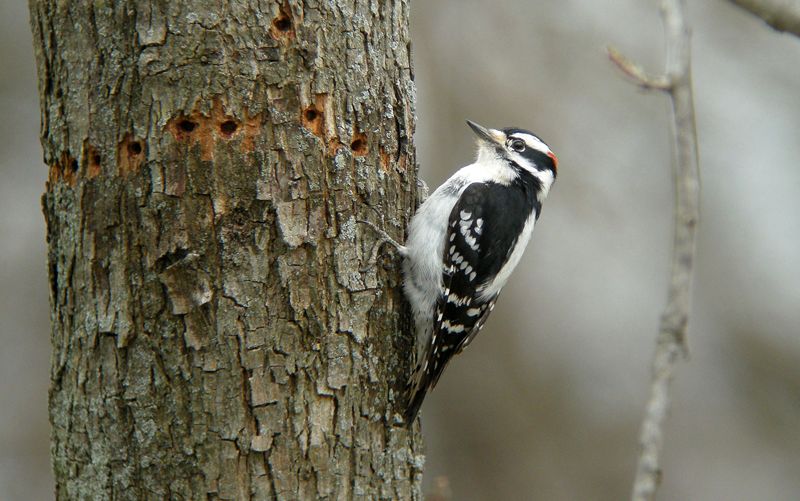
column 483, row 229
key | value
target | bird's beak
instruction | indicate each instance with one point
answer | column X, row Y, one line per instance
column 492, row 136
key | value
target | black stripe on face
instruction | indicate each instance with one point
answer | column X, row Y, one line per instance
column 540, row 159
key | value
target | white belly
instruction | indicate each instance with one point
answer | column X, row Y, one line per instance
column 422, row 267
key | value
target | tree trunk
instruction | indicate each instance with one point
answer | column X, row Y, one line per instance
column 214, row 336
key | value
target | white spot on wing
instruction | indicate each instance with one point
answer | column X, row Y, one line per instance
column 491, row 288
column 454, row 329
column 458, row 301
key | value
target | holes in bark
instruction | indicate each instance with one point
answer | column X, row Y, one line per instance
column 94, row 159
column 64, row 169
column 130, row 155
column 282, row 23
column 205, row 126
column 67, row 168
column 282, row 27
column 187, row 125
column 228, row 127
column 134, row 148
column 359, row 144
column 313, row 120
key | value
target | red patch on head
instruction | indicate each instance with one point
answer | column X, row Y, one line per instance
column 555, row 160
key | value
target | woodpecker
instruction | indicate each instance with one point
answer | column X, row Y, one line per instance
column 464, row 242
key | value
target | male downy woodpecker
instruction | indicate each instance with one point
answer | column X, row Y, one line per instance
column 464, row 242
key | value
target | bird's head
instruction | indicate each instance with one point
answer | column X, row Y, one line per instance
column 518, row 147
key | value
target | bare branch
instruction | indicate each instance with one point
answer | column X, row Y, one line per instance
column 671, row 341
column 782, row 15
column 636, row 72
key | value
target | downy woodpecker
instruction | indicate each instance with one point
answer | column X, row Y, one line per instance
column 464, row 242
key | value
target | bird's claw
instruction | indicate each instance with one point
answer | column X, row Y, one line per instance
column 384, row 238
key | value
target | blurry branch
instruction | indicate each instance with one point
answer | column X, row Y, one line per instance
column 671, row 341
column 783, row 15
column 637, row 73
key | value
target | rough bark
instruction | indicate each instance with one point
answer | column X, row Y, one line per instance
column 214, row 336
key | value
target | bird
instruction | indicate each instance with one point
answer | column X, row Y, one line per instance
column 463, row 244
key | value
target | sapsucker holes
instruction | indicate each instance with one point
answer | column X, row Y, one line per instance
column 93, row 159
column 359, row 144
column 187, row 125
column 206, row 128
column 359, row 147
column 64, row 169
column 313, row 120
column 228, row 127
column 184, row 127
column 130, row 155
column 282, row 22
column 134, row 148
column 282, row 26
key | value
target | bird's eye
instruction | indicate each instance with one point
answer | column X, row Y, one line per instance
column 518, row 145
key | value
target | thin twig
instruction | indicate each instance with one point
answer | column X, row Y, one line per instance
column 637, row 73
column 782, row 15
column 671, row 341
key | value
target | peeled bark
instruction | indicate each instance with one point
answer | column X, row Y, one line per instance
column 214, row 335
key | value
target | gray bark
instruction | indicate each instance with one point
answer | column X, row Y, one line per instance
column 213, row 334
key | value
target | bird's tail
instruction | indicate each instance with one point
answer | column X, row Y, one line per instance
column 417, row 389
column 423, row 381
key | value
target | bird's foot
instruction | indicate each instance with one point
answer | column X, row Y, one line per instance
column 384, row 239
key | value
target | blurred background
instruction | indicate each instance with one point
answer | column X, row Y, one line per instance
column 547, row 401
